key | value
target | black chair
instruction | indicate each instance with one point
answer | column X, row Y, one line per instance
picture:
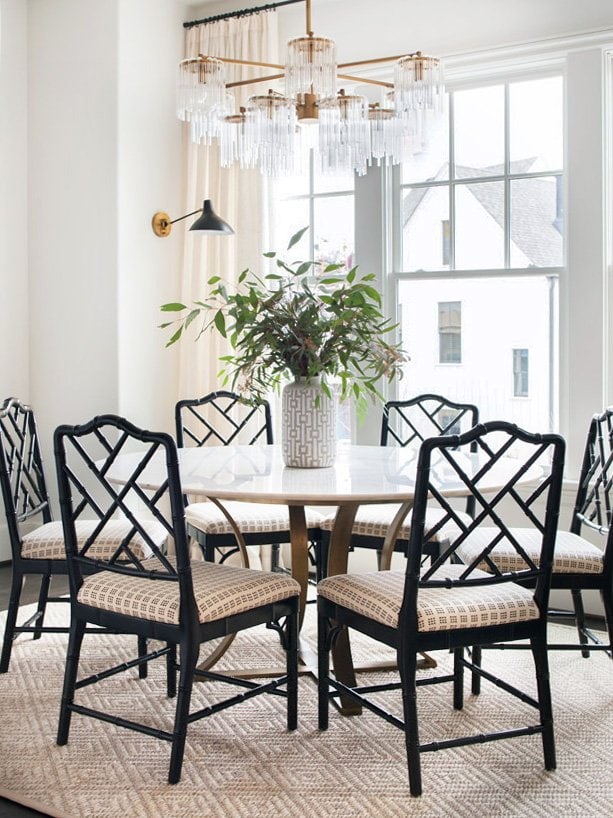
column 37, row 541
column 406, row 423
column 223, row 418
column 578, row 565
column 161, row 597
column 444, row 605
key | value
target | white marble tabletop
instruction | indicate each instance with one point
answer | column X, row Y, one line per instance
column 360, row 474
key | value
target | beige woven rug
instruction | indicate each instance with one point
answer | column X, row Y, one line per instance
column 242, row 762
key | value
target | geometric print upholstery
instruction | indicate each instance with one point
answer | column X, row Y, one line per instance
column 47, row 541
column 374, row 521
column 378, row 596
column 220, row 591
column 572, row 553
column 251, row 518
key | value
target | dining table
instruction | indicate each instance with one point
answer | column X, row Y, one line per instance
column 360, row 474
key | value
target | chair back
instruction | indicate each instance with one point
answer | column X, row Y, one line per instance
column 515, row 478
column 594, row 500
column 85, row 456
column 22, row 478
column 410, row 422
column 222, row 418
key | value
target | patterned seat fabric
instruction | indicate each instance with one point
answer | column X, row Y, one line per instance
column 251, row 518
column 379, row 597
column 47, row 541
column 374, row 521
column 572, row 554
column 220, row 591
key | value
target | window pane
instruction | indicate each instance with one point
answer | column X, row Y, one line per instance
column 520, row 373
column 426, row 242
column 479, row 132
column 537, row 223
column 290, row 216
column 334, row 230
column 536, row 125
column 432, row 162
column 498, row 315
column 479, row 226
column 329, row 182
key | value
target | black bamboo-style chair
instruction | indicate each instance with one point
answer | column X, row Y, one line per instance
column 442, row 604
column 164, row 598
column 222, row 418
column 37, row 541
column 406, row 423
column 578, row 565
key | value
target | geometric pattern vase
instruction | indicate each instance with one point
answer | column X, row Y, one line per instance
column 308, row 425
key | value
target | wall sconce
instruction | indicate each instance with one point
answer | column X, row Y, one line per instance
column 209, row 222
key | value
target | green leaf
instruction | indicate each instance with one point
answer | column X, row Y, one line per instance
column 243, row 276
column 174, row 338
column 193, row 314
column 296, row 237
column 220, row 322
column 213, row 280
column 269, row 255
column 173, row 307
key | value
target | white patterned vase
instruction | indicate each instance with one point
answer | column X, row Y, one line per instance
column 308, row 430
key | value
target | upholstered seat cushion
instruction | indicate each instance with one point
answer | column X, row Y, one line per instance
column 251, row 518
column 572, row 554
column 379, row 597
column 374, row 521
column 220, row 591
column 47, row 541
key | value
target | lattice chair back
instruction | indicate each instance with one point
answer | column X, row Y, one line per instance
column 523, row 476
column 24, row 490
column 594, row 500
column 410, row 422
column 84, row 458
column 222, row 418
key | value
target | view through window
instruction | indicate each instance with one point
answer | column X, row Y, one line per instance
column 479, row 248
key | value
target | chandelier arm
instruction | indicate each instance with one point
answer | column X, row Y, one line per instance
column 376, row 60
column 366, row 80
column 254, row 80
column 243, row 62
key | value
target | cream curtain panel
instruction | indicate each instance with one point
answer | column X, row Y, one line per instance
column 237, row 195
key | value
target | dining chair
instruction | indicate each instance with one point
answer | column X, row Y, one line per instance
column 223, row 418
column 578, row 564
column 180, row 602
column 36, row 540
column 444, row 605
column 407, row 424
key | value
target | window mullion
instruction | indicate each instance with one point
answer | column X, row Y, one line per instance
column 507, row 184
column 451, row 184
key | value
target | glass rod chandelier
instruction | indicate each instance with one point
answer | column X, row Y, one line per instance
column 275, row 130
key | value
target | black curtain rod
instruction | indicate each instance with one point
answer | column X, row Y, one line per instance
column 241, row 13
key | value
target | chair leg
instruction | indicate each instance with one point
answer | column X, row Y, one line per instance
column 580, row 619
column 475, row 684
column 11, row 620
column 75, row 640
column 541, row 663
column 142, row 651
column 407, row 665
column 323, row 670
column 171, row 672
column 188, row 659
column 607, row 602
column 292, row 669
column 458, row 678
column 45, row 579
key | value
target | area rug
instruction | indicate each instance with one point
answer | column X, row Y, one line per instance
column 242, row 763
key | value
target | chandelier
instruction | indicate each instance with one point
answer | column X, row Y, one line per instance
column 317, row 108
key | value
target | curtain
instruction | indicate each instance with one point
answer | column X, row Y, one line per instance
column 237, row 195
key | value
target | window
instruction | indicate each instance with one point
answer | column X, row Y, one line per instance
column 520, row 373
column 324, row 203
column 479, row 220
column 450, row 332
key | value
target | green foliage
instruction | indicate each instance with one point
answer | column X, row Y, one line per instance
column 303, row 322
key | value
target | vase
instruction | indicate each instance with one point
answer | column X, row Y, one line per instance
column 308, row 430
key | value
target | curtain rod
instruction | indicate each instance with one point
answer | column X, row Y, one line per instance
column 240, row 13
